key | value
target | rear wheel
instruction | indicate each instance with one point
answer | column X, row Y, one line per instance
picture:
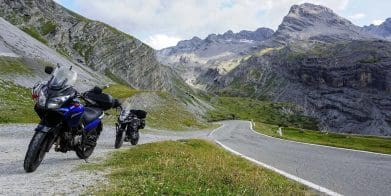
column 134, row 138
column 119, row 138
column 36, row 151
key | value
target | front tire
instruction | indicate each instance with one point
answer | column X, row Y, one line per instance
column 35, row 152
column 119, row 138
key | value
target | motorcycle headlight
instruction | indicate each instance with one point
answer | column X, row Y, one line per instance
column 56, row 102
column 41, row 99
column 123, row 115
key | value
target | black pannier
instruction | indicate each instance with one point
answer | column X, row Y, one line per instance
column 96, row 98
column 141, row 114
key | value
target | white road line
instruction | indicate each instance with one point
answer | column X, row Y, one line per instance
column 347, row 149
column 211, row 133
column 290, row 176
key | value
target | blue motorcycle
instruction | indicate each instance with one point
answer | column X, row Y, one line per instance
column 65, row 122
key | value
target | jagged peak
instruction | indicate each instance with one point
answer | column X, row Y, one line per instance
column 229, row 32
column 310, row 21
column 195, row 38
column 308, row 8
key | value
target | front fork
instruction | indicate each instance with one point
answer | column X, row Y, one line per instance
column 51, row 135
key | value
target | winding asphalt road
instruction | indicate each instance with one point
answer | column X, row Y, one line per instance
column 342, row 171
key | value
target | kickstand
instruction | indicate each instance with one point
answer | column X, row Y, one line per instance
column 86, row 160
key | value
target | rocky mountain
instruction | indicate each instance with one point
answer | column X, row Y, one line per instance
column 383, row 30
column 318, row 23
column 23, row 59
column 103, row 48
column 336, row 71
column 192, row 58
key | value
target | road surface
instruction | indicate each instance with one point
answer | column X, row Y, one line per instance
column 342, row 171
column 59, row 174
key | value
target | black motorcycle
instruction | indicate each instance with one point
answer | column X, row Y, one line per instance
column 128, row 125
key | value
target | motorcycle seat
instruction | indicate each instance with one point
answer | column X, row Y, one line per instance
column 91, row 114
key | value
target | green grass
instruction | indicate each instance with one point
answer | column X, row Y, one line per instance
column 367, row 143
column 34, row 33
column 121, row 91
column 171, row 114
column 16, row 105
column 189, row 167
column 260, row 111
column 11, row 65
column 48, row 27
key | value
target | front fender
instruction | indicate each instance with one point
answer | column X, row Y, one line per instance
column 44, row 129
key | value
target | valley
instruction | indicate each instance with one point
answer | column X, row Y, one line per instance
column 318, row 77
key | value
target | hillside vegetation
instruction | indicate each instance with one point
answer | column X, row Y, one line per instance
column 16, row 105
column 367, row 143
column 165, row 111
column 276, row 113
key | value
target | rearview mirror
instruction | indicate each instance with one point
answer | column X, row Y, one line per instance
column 49, row 70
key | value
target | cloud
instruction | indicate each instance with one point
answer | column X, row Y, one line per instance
column 160, row 41
column 146, row 19
column 357, row 16
column 378, row 22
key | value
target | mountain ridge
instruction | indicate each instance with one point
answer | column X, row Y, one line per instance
column 383, row 30
column 188, row 57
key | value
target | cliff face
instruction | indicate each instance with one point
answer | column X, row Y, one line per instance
column 99, row 46
column 346, row 85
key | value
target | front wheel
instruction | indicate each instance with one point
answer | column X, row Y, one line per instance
column 35, row 152
column 119, row 138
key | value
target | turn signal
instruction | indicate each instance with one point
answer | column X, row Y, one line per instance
column 35, row 96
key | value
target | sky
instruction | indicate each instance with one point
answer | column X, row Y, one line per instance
column 162, row 23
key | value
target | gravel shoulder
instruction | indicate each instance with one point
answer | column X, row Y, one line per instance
column 59, row 173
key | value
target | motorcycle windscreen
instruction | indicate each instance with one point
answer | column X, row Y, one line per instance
column 62, row 77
